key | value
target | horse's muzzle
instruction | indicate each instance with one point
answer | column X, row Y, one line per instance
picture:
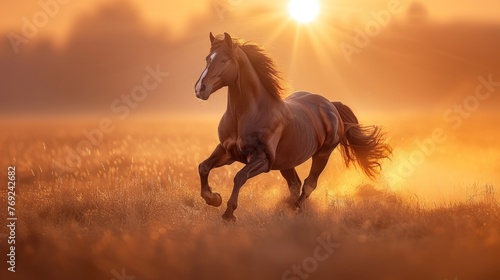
column 203, row 93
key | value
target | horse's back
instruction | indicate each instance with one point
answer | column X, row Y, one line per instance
column 307, row 98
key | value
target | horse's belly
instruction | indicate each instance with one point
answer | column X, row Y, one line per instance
column 283, row 163
column 295, row 147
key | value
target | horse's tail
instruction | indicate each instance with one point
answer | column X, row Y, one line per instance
column 363, row 144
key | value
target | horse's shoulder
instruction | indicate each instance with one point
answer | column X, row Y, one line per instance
column 227, row 126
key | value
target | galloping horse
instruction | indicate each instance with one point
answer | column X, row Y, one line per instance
column 266, row 132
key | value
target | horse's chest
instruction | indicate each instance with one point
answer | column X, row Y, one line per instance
column 239, row 147
column 241, row 144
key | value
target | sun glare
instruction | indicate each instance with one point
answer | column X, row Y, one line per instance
column 303, row 11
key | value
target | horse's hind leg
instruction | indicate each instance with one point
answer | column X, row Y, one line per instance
column 294, row 184
column 219, row 157
column 318, row 165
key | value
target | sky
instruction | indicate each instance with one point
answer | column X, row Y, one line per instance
column 90, row 53
column 176, row 15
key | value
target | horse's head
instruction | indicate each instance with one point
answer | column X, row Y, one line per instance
column 221, row 69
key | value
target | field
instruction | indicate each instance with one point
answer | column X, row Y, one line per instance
column 128, row 207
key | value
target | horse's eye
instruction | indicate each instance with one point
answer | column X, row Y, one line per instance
column 224, row 60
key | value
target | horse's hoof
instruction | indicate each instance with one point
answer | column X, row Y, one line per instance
column 229, row 218
column 215, row 200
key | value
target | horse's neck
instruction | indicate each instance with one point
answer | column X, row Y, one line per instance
column 248, row 94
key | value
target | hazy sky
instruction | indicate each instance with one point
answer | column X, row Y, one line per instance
column 105, row 46
column 176, row 15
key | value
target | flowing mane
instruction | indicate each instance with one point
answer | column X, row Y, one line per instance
column 264, row 65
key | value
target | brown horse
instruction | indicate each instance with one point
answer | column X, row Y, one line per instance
column 266, row 132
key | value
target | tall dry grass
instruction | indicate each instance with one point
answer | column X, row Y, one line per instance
column 133, row 203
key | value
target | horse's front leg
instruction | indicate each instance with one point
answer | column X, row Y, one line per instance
column 218, row 158
column 258, row 164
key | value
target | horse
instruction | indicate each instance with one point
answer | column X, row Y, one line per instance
column 267, row 132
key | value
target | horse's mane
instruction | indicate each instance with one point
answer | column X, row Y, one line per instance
column 264, row 66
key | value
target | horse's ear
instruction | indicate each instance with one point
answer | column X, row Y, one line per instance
column 228, row 40
column 212, row 38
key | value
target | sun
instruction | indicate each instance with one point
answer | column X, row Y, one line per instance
column 303, row 11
